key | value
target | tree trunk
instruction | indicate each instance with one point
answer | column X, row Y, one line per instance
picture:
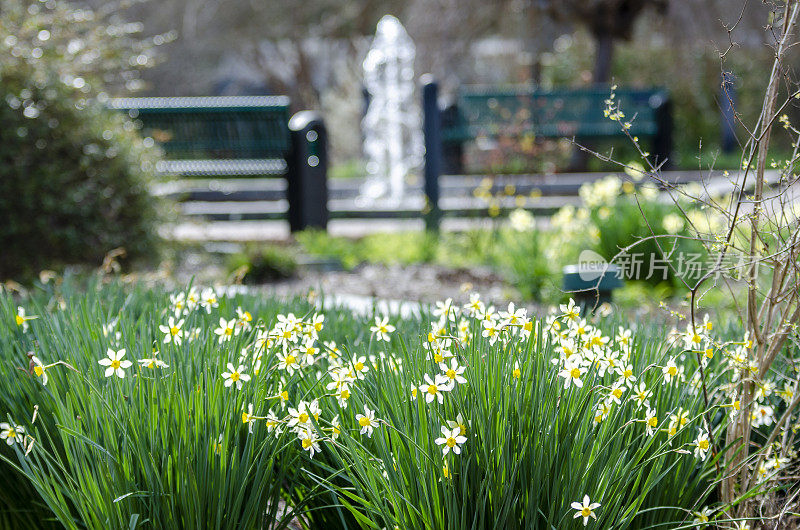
column 604, row 53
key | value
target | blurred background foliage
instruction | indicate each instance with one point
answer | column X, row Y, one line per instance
column 74, row 176
column 313, row 53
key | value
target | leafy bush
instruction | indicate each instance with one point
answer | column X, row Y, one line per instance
column 263, row 263
column 73, row 175
column 616, row 215
column 402, row 248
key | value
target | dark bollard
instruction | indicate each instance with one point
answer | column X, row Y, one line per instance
column 307, row 172
column 432, row 127
column 591, row 286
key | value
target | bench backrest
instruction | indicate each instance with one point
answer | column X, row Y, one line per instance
column 208, row 128
column 551, row 114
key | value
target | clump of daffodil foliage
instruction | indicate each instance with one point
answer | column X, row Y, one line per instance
column 209, row 408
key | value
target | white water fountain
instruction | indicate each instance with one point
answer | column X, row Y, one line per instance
column 393, row 144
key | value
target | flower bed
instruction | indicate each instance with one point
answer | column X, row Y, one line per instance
column 127, row 407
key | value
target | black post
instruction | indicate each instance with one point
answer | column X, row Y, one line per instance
column 432, row 127
column 662, row 143
column 452, row 148
column 307, row 172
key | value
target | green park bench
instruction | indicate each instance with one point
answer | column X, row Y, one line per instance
column 561, row 113
column 493, row 113
column 240, row 137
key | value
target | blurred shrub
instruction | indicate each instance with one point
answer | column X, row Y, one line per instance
column 618, row 214
column 263, row 263
column 401, row 248
column 73, row 175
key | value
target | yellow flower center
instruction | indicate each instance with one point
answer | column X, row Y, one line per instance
column 290, row 360
column 586, row 512
column 652, row 422
column 245, row 417
column 20, row 320
column 235, row 376
column 38, row 370
column 672, row 370
column 617, row 393
column 229, row 331
column 174, row 330
column 359, row 366
column 575, row 373
column 285, row 395
column 516, row 373
column 303, row 417
column 307, row 442
column 438, row 357
column 451, row 373
column 115, row 364
column 627, row 373
column 703, row 444
column 345, row 394
column 363, row 421
column 432, row 389
column 451, row 442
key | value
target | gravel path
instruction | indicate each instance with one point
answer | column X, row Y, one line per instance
column 416, row 283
